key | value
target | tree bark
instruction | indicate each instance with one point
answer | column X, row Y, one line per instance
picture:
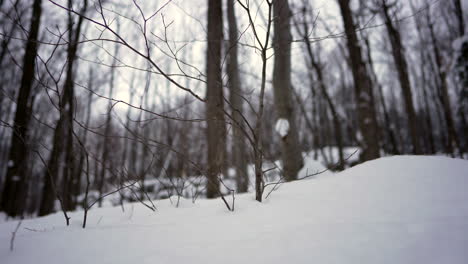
column 291, row 155
column 392, row 145
column 6, row 40
column 363, row 88
column 426, row 85
column 428, row 119
column 403, row 76
column 239, row 154
column 216, row 130
column 63, row 131
column 84, row 138
column 453, row 141
column 107, row 129
column 13, row 195
column 460, row 17
column 336, row 119
column 70, row 167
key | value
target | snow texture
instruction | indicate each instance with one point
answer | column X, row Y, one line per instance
column 457, row 43
column 402, row 209
column 282, row 127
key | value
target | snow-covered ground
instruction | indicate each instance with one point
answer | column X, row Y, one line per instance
column 401, row 209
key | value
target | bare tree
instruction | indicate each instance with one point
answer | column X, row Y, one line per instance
column 390, row 145
column 453, row 142
column 398, row 52
column 291, row 155
column 460, row 17
column 63, row 134
column 368, row 126
column 239, row 156
column 13, row 195
column 77, row 178
column 107, row 128
column 314, row 62
column 216, row 130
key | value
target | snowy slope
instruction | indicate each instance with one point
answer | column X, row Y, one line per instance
column 393, row 210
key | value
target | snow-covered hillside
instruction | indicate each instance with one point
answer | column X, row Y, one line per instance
column 402, row 209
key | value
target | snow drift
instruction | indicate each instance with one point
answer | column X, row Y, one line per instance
column 401, row 209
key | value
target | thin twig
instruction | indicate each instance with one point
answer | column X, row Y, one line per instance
column 13, row 235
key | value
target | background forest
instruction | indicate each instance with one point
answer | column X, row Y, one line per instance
column 105, row 101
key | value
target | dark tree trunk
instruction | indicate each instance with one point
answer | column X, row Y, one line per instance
column 392, row 145
column 363, row 88
column 321, row 82
column 216, row 130
column 239, row 154
column 460, row 17
column 6, row 40
column 145, row 134
column 13, row 195
column 84, row 138
column 63, row 131
column 291, row 155
column 107, row 129
column 403, row 76
column 336, row 119
column 453, row 142
column 51, row 173
column 126, row 164
column 428, row 119
column 461, row 108
column 431, row 147
column 425, row 60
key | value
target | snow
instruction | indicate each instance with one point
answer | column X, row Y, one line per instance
column 312, row 166
column 329, row 156
column 457, row 43
column 402, row 209
column 364, row 96
column 282, row 127
column 359, row 136
column 3, row 217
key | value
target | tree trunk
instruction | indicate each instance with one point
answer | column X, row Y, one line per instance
column 216, row 130
column 336, row 119
column 6, row 40
column 13, row 193
column 430, row 146
column 425, row 60
column 393, row 144
column 84, row 138
column 460, row 17
column 127, row 164
column 70, row 166
column 239, row 154
column 453, row 142
column 63, row 131
column 318, row 70
column 145, row 135
column 291, row 155
column 363, row 88
column 403, row 76
column 107, row 129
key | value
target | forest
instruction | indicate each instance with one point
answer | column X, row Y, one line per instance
column 106, row 102
column 233, row 131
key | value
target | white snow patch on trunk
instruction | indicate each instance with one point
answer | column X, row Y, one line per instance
column 282, row 127
column 458, row 43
